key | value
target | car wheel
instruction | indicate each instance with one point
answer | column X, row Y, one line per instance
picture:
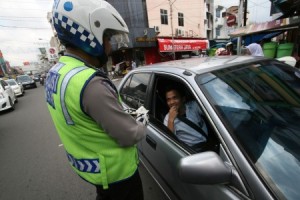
column 12, row 105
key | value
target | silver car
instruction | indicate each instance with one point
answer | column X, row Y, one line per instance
column 7, row 96
column 17, row 87
column 251, row 107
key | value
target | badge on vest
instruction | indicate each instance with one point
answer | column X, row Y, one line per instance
column 51, row 83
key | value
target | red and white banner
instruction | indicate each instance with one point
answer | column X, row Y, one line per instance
column 165, row 45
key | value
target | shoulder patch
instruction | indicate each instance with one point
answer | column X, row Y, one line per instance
column 110, row 86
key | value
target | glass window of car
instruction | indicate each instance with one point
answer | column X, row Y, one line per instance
column 134, row 90
column 259, row 103
column 11, row 82
column 159, row 109
column 24, row 78
column 3, row 83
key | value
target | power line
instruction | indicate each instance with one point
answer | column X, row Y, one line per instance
column 34, row 2
column 22, row 27
column 20, row 17
column 19, row 20
column 24, row 9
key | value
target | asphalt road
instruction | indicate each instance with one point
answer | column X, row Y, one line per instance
column 33, row 161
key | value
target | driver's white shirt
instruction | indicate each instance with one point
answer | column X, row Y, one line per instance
column 184, row 132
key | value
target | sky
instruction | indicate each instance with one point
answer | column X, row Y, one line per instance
column 24, row 27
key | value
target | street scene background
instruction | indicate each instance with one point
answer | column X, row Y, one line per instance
column 34, row 165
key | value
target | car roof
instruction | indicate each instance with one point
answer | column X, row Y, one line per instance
column 202, row 65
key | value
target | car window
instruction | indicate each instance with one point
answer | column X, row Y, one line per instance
column 193, row 121
column 24, row 78
column 3, row 83
column 11, row 82
column 260, row 105
column 134, row 90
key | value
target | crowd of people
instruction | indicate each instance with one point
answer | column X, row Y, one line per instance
column 252, row 49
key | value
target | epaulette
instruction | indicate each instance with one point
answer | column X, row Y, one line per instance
column 107, row 81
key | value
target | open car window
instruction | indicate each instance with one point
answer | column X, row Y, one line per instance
column 192, row 132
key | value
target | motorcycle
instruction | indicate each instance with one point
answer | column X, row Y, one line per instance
column 42, row 80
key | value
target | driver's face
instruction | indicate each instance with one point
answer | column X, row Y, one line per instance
column 174, row 99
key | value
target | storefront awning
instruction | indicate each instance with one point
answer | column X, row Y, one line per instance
column 165, row 45
column 271, row 26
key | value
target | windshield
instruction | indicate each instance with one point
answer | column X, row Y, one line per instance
column 259, row 103
column 11, row 82
column 24, row 78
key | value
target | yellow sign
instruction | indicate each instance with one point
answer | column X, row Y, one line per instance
column 145, row 39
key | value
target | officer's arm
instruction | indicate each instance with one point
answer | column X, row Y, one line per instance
column 100, row 102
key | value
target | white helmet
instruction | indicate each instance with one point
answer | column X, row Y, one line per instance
column 82, row 23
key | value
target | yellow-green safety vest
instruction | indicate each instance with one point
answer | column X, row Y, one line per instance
column 92, row 153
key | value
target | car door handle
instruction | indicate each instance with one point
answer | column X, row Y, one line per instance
column 151, row 142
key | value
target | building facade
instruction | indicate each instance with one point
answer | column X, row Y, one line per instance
column 161, row 30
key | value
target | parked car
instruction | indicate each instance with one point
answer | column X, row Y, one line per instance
column 26, row 81
column 251, row 107
column 17, row 87
column 7, row 96
column 36, row 77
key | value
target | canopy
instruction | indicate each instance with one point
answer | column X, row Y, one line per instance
column 256, row 38
column 267, row 27
column 165, row 45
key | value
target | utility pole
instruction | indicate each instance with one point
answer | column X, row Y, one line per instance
column 171, row 17
column 240, row 12
column 245, row 12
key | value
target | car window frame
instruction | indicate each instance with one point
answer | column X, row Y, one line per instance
column 152, row 110
column 129, row 80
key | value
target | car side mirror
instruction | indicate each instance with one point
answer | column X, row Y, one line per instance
column 208, row 168
column 204, row 168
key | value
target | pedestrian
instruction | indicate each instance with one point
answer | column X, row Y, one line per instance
column 133, row 64
column 226, row 52
column 254, row 49
column 98, row 136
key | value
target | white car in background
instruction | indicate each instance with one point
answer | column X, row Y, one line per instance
column 7, row 96
column 17, row 88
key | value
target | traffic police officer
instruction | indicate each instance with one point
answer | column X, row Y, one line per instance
column 98, row 136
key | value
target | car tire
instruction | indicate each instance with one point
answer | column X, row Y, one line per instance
column 12, row 105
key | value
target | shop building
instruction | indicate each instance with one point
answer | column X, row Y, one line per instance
column 161, row 30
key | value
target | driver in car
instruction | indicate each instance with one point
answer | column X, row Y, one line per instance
column 184, row 119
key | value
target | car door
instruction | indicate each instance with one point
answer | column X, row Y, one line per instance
column 8, row 90
column 162, row 153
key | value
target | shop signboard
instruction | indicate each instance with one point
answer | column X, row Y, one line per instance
column 166, row 45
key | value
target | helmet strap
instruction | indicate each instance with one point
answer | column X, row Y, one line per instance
column 103, row 59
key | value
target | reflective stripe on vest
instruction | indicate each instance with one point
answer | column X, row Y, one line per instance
column 64, row 85
column 84, row 165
